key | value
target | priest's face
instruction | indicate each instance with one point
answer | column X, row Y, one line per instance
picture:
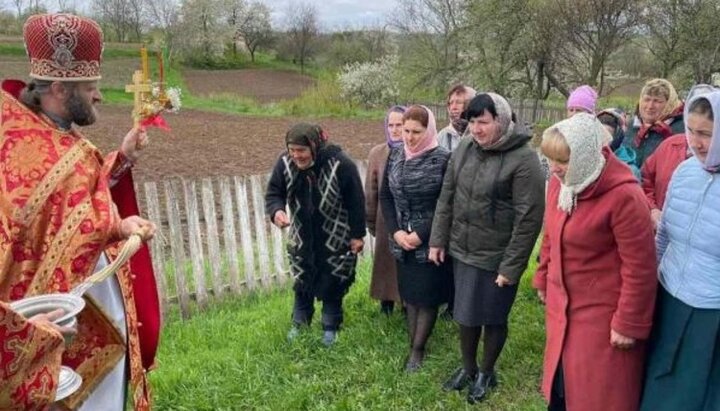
column 82, row 101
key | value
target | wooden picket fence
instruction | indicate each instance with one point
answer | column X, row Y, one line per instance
column 214, row 240
column 527, row 111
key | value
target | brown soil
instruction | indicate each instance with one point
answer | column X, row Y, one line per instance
column 212, row 144
column 263, row 85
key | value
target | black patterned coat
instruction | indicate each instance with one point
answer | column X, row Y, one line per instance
column 327, row 209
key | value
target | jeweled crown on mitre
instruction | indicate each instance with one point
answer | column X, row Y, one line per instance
column 63, row 47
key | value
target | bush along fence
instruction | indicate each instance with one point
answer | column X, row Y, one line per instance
column 214, row 240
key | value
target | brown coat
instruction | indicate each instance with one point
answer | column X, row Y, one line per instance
column 384, row 285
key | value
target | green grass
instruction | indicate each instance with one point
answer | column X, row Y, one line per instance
column 18, row 49
column 234, row 356
column 11, row 49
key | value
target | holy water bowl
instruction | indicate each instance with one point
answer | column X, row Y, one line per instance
column 43, row 304
column 69, row 382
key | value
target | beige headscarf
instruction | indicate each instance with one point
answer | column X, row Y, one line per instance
column 585, row 136
column 665, row 89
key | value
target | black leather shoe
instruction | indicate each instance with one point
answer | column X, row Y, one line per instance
column 482, row 385
column 458, row 381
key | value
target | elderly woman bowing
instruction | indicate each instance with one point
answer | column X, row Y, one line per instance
column 596, row 274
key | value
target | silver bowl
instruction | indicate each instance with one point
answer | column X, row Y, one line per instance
column 68, row 383
column 42, row 304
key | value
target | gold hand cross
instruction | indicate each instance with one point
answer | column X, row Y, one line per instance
column 140, row 88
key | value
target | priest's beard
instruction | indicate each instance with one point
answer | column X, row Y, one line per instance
column 82, row 112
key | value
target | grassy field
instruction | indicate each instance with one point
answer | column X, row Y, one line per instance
column 235, row 356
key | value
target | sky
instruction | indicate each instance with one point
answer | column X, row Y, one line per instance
column 338, row 14
column 333, row 14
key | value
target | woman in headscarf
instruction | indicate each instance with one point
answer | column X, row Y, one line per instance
column 614, row 121
column 597, row 273
column 581, row 100
column 321, row 187
column 383, row 284
column 683, row 370
column 659, row 115
column 410, row 189
column 660, row 166
column 488, row 218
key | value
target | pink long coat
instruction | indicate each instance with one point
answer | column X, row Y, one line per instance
column 599, row 271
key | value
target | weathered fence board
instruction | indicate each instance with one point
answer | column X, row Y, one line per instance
column 177, row 247
column 157, row 245
column 256, row 183
column 195, row 241
column 231, row 248
column 213, row 240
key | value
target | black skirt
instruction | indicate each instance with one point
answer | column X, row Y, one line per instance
column 423, row 284
column 478, row 300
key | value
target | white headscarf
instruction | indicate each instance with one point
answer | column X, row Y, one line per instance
column 585, row 136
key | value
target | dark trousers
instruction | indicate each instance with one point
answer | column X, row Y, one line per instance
column 304, row 308
column 557, row 392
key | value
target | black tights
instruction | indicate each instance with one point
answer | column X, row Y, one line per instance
column 421, row 321
column 495, row 337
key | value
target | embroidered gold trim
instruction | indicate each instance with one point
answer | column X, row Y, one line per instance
column 49, row 183
column 102, row 362
column 49, row 263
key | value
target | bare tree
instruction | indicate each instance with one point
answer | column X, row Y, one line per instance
column 36, row 7
column 162, row 13
column 255, row 29
column 662, row 21
column 66, row 5
column 234, row 9
column 136, row 12
column 498, row 44
column 431, row 39
column 18, row 7
column 165, row 15
column 114, row 13
column 302, row 31
column 592, row 31
column 700, row 33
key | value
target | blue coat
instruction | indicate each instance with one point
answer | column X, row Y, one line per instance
column 687, row 239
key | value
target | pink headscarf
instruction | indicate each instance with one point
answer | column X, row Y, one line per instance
column 428, row 142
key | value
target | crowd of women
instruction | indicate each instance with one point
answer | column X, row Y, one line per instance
column 628, row 269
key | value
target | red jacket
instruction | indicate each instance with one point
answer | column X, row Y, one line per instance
column 659, row 167
column 598, row 271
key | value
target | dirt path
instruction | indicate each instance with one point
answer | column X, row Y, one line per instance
column 210, row 144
